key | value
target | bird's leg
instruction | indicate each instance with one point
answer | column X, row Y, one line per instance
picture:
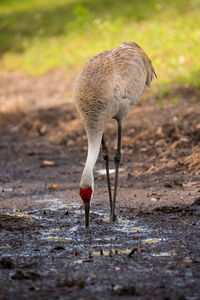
column 117, row 161
column 106, row 158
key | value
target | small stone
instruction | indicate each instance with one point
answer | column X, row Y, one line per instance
column 153, row 199
column 117, row 287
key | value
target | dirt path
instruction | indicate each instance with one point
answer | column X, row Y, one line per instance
column 44, row 247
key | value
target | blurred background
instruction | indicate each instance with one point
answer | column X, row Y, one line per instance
column 41, row 35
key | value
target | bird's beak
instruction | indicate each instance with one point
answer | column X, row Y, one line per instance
column 87, row 212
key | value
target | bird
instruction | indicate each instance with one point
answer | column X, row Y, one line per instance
column 108, row 85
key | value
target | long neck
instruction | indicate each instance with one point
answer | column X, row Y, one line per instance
column 94, row 143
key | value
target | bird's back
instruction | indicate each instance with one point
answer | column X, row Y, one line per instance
column 112, row 81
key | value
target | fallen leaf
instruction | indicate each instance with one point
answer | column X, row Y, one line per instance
column 150, row 241
column 54, row 186
column 168, row 184
column 48, row 162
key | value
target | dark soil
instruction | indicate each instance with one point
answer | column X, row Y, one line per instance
column 151, row 252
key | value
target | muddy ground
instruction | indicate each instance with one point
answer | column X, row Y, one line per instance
column 152, row 252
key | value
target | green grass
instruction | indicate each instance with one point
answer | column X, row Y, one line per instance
column 39, row 35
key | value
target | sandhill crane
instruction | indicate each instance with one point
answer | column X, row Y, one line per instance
column 107, row 86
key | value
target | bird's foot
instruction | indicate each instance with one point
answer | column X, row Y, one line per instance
column 113, row 218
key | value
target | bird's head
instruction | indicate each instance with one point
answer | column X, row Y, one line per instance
column 86, row 195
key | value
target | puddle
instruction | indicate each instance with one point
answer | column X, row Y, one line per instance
column 56, row 239
column 4, row 247
column 123, row 222
column 124, row 251
column 73, row 206
column 85, row 251
column 103, row 239
column 80, row 261
column 80, row 213
column 64, row 230
column 21, row 214
column 46, row 201
column 57, row 203
column 5, row 189
column 102, row 245
column 85, row 260
column 107, row 220
column 162, row 254
column 59, row 230
column 133, row 229
column 151, row 241
column 103, row 253
column 103, row 236
column 111, row 171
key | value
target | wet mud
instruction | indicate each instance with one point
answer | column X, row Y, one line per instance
column 46, row 253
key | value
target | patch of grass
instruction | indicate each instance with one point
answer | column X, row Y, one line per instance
column 39, row 35
column 175, row 100
column 164, row 91
column 161, row 103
